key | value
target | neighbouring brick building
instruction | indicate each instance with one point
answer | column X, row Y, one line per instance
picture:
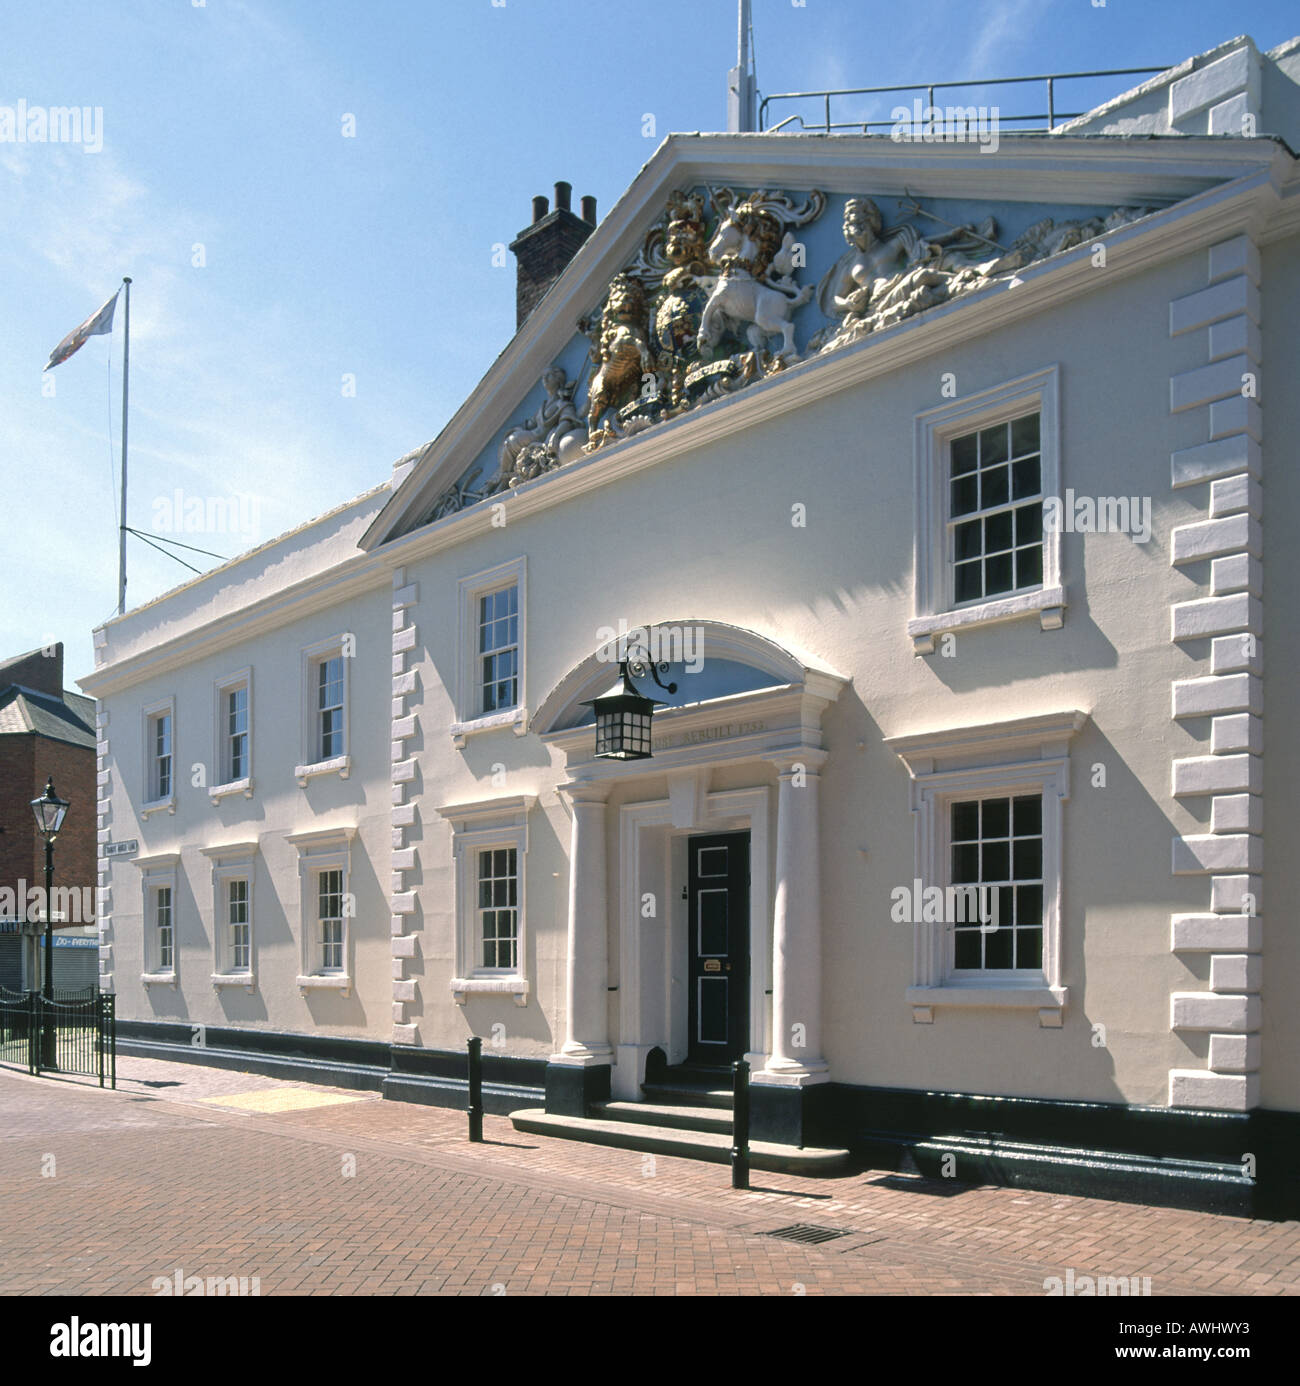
column 45, row 732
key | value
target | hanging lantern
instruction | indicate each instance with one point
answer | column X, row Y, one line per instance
column 623, row 719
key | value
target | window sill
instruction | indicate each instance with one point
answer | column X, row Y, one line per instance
column 462, row 987
column 158, row 979
column 326, row 981
column 158, row 805
column 516, row 717
column 235, row 979
column 338, row 765
column 1033, row 996
column 220, row 791
column 1048, row 603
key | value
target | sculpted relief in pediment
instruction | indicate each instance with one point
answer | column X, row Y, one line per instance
column 708, row 306
column 887, row 275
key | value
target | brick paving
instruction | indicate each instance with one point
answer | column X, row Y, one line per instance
column 373, row 1197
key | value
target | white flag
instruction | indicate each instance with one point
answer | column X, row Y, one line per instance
column 94, row 325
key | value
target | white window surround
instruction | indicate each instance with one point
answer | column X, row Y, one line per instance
column 935, row 612
column 1028, row 753
column 158, row 871
column 232, row 861
column 476, row 827
column 323, row 849
column 152, row 805
column 242, row 678
column 312, row 765
column 469, row 721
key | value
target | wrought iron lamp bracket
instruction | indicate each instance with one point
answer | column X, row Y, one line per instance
column 637, row 664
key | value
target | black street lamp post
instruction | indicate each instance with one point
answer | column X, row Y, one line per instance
column 50, row 811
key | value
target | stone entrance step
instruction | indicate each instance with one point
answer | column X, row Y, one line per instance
column 687, row 1085
column 680, row 1117
column 672, row 1095
column 683, row 1087
column 713, row 1146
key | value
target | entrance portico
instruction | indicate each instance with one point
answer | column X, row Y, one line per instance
column 737, row 763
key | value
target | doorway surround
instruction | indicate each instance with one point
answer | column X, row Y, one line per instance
column 776, row 728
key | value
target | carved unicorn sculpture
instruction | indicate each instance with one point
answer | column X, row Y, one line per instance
column 755, row 290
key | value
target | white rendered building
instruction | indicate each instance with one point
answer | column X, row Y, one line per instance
column 936, row 475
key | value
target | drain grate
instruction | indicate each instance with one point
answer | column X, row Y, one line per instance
column 807, row 1233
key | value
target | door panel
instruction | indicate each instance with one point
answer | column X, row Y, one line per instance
column 718, row 948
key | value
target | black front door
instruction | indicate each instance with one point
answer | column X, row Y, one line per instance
column 718, row 948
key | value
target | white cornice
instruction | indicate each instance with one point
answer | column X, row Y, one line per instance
column 230, row 849
column 322, row 837
column 157, row 861
column 1085, row 171
column 261, row 551
column 1050, row 732
column 361, row 573
column 484, row 811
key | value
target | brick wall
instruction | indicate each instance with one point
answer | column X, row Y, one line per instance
column 75, row 853
column 25, row 764
column 17, row 841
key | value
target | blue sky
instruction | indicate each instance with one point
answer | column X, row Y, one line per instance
column 325, row 255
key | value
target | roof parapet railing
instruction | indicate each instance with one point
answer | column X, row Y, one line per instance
column 1052, row 116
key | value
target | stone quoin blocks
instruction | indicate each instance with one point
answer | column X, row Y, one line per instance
column 103, row 821
column 402, row 904
column 1225, row 623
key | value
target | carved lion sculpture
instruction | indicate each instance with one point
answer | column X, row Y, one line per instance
column 621, row 356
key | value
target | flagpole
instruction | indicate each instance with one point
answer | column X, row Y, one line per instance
column 126, row 381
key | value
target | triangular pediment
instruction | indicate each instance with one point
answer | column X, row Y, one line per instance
column 737, row 262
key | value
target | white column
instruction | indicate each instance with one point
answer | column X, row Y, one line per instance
column 586, row 1039
column 797, row 926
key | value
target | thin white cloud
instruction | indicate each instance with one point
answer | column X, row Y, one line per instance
column 1004, row 31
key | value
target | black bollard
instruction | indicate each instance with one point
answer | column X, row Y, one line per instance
column 740, row 1125
column 475, row 1088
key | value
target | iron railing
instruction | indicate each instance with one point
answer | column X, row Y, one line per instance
column 1052, row 116
column 75, row 1032
column 15, row 1027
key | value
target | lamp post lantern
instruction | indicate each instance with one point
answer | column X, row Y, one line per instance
column 623, row 719
column 49, row 811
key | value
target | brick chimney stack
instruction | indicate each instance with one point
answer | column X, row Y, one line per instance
column 546, row 247
column 39, row 671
